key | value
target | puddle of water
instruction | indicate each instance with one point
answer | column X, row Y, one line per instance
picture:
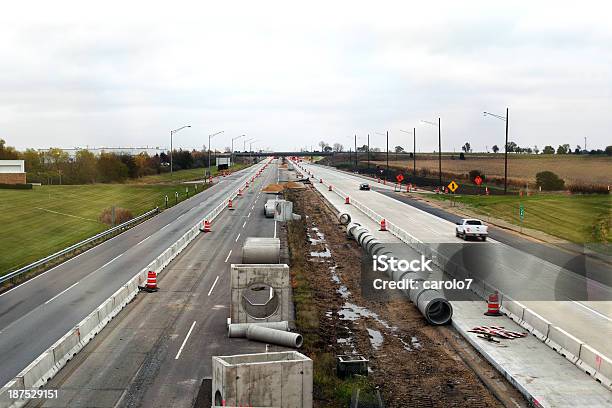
column 344, row 292
column 352, row 312
column 376, row 338
column 322, row 254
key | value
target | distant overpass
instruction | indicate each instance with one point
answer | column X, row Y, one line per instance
column 285, row 154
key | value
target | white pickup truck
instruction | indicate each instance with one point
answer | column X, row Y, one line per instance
column 471, row 227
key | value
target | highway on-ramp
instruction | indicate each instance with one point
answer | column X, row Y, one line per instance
column 38, row 312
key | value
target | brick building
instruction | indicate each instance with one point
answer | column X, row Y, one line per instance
column 12, row 172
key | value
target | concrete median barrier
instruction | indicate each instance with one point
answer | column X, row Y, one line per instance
column 539, row 326
column 66, row 347
column 564, row 343
column 513, row 309
column 38, row 372
column 596, row 365
column 6, row 399
column 89, row 327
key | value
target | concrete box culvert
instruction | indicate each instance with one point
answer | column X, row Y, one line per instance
column 282, row 379
column 273, row 336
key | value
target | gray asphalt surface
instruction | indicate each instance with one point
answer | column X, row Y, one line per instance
column 37, row 313
column 135, row 360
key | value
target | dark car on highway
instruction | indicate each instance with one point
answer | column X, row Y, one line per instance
column 364, row 186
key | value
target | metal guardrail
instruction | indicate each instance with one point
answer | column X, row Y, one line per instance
column 40, row 262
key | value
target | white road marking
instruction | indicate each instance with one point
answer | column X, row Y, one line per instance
column 243, row 224
column 63, row 291
column 592, row 310
column 111, row 261
column 274, row 228
column 164, row 226
column 213, row 285
column 228, row 255
column 237, row 237
column 185, row 341
column 249, row 214
column 144, row 240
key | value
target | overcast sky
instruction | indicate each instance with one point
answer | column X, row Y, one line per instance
column 126, row 73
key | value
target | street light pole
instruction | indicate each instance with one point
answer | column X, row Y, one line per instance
column 172, row 132
column 413, row 149
column 210, row 137
column 387, row 173
column 505, row 147
column 439, row 147
column 232, row 153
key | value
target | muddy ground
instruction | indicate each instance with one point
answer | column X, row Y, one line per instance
column 411, row 363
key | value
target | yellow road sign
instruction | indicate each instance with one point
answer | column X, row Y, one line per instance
column 453, row 186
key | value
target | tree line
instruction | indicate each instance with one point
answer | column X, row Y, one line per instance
column 55, row 166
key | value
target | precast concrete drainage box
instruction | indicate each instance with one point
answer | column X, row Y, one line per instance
column 281, row 379
column 259, row 293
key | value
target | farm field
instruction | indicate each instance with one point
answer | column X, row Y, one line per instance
column 576, row 218
column 571, row 168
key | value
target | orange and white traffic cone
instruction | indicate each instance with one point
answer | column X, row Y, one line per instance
column 347, row 200
column 239, row 192
column 330, row 188
column 487, row 190
column 229, row 204
column 383, row 225
column 493, row 305
column 151, row 281
column 320, row 180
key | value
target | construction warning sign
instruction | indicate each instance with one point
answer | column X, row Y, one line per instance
column 452, row 186
column 399, row 178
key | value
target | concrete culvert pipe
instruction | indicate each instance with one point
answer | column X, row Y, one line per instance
column 345, row 219
column 432, row 304
column 261, row 251
column 273, row 336
column 240, row 329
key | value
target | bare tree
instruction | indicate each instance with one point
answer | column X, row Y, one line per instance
column 338, row 147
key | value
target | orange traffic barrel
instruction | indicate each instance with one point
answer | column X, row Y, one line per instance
column 206, row 226
column 493, row 305
column 152, row 280
column 383, row 225
column 229, row 204
column 347, row 200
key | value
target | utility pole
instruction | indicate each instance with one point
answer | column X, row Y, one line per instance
column 356, row 157
column 414, row 151
column 368, row 152
column 506, row 157
column 440, row 152
column 387, row 174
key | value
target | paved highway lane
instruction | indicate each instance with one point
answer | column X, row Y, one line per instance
column 157, row 350
column 583, row 306
column 37, row 313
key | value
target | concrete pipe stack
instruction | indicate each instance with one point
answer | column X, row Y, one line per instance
column 432, row 303
column 273, row 336
column 261, row 251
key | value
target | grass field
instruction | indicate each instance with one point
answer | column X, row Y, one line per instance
column 181, row 175
column 46, row 219
column 576, row 218
column 571, row 168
